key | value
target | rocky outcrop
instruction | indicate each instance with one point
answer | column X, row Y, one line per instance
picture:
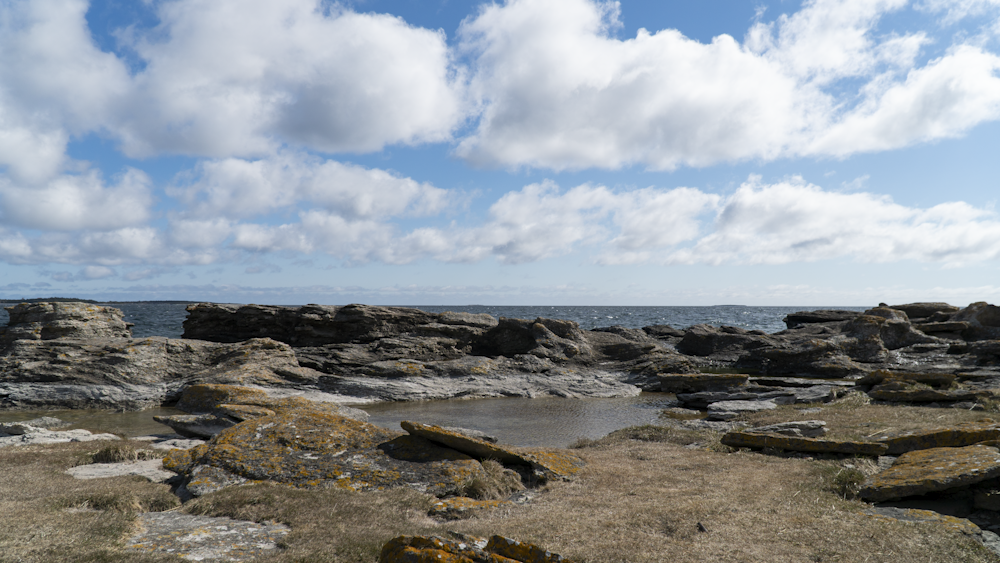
column 80, row 355
column 306, row 444
column 70, row 319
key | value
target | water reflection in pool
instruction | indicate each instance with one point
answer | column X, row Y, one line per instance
column 551, row 421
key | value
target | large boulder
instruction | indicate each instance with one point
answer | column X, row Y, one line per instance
column 983, row 319
column 730, row 341
column 937, row 469
column 544, row 338
column 67, row 319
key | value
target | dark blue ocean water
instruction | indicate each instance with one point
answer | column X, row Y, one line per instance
column 166, row 319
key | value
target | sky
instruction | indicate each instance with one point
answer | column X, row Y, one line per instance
column 523, row 152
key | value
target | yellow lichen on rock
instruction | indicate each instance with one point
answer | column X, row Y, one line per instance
column 936, row 469
column 758, row 440
column 421, row 549
column 965, row 434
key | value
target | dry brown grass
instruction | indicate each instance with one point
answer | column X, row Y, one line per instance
column 854, row 418
column 327, row 524
column 636, row 501
column 47, row 515
column 118, row 452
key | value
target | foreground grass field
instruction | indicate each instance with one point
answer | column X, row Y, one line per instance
column 641, row 498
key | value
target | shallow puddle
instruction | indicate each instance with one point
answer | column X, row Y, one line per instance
column 550, row 421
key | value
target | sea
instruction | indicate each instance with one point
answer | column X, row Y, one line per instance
column 155, row 318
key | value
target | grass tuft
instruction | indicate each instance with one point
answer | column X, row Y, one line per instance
column 495, row 482
column 120, row 452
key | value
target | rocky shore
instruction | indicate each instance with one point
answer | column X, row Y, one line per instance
column 268, row 392
column 80, row 355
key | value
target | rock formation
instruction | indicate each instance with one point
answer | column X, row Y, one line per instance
column 80, row 355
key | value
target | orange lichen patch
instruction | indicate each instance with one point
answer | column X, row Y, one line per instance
column 181, row 461
column 205, row 397
column 957, row 436
column 559, row 464
column 243, row 412
column 756, row 440
column 937, row 469
column 523, row 552
column 307, row 448
column 880, row 376
column 420, row 549
column 463, row 507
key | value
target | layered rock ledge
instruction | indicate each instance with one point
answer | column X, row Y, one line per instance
column 78, row 355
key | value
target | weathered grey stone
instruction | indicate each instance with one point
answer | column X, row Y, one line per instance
column 703, row 399
column 151, row 469
column 801, row 428
column 204, row 538
column 196, row 425
column 34, row 436
column 759, row 440
column 728, row 410
column 924, row 310
column 821, row 316
column 696, row 382
column 69, row 319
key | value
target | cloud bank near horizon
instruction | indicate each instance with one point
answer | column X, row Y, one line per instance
column 270, row 111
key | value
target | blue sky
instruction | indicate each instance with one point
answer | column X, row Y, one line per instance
column 828, row 152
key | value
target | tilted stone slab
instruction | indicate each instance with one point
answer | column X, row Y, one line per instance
column 695, row 382
column 880, row 376
column 937, row 469
column 892, row 393
column 738, row 439
column 703, row 399
column 957, row 436
column 550, row 463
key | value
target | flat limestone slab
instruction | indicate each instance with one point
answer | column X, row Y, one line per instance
column 737, row 439
column 957, row 436
column 151, row 469
column 937, row 469
column 204, row 538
